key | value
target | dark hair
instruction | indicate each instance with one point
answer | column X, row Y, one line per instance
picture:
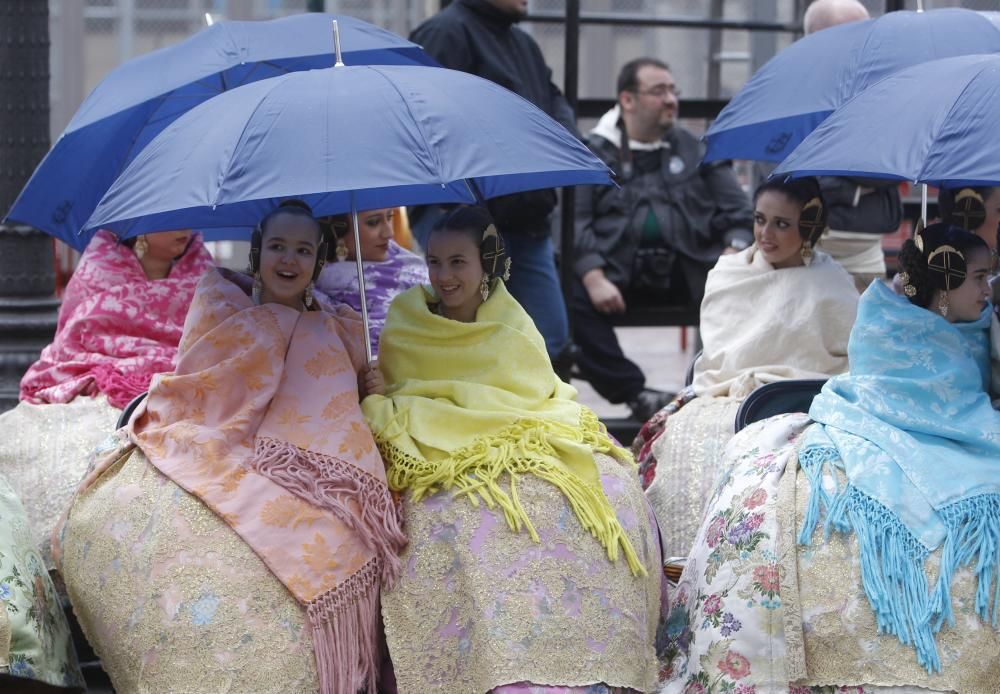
column 295, row 208
column 970, row 213
column 474, row 222
column 803, row 191
column 925, row 279
column 628, row 76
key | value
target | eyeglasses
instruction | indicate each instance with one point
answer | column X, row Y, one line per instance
column 659, row 91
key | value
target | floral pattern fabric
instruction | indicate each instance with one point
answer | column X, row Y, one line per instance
column 172, row 599
column 754, row 612
column 117, row 328
column 480, row 607
column 35, row 641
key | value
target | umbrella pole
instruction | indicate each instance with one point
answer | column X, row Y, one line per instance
column 361, row 279
column 336, row 45
column 923, row 203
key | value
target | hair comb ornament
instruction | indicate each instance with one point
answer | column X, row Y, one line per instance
column 908, row 288
column 968, row 210
column 946, row 266
column 812, row 220
column 918, row 239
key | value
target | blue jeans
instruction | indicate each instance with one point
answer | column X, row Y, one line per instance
column 534, row 282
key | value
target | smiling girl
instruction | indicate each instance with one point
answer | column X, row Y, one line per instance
column 256, row 490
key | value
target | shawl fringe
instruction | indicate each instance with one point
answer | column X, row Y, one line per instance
column 344, row 623
column 524, row 447
column 357, row 499
column 892, row 559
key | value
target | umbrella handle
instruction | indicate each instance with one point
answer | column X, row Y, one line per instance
column 361, row 280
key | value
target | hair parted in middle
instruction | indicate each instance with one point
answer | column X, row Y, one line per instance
column 477, row 223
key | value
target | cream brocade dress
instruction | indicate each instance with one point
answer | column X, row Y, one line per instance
column 172, row 599
column 479, row 606
column 44, row 452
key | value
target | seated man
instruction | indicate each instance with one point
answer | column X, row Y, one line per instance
column 654, row 239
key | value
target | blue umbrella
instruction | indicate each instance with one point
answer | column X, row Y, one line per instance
column 934, row 123
column 343, row 138
column 143, row 96
column 798, row 88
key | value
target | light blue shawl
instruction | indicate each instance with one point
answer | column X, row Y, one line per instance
column 912, row 427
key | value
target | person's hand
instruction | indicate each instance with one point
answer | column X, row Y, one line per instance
column 372, row 381
column 603, row 293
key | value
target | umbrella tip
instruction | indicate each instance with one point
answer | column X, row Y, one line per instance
column 208, row 19
column 336, row 45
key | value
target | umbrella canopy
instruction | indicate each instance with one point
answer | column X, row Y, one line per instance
column 934, row 123
column 798, row 88
column 343, row 138
column 143, row 96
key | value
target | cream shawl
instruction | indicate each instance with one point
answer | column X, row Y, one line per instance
column 761, row 325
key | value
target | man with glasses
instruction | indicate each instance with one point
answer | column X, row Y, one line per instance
column 654, row 239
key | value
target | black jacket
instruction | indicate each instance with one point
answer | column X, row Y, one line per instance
column 475, row 37
column 700, row 209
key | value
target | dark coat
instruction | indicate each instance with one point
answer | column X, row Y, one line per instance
column 475, row 37
column 700, row 209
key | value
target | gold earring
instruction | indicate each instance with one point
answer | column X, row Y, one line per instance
column 257, row 286
column 484, row 288
column 943, row 304
column 341, row 249
column 908, row 289
column 806, row 253
column 506, row 270
column 308, row 296
column 141, row 246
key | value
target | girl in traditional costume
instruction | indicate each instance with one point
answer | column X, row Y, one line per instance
column 858, row 546
column 389, row 268
column 778, row 310
column 119, row 325
column 531, row 565
column 237, row 537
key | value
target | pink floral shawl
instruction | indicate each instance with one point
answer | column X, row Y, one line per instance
column 117, row 328
column 261, row 422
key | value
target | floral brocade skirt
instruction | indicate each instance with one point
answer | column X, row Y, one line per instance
column 171, row 598
column 480, row 607
column 755, row 612
column 35, row 642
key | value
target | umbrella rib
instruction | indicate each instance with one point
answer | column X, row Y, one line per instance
column 416, row 122
column 946, row 119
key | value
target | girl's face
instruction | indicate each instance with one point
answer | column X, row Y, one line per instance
column 375, row 234
column 776, row 229
column 455, row 273
column 287, row 258
column 968, row 301
column 167, row 245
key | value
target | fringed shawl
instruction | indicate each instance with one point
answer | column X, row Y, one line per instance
column 472, row 406
column 912, row 427
column 338, row 283
column 794, row 323
column 117, row 328
column 261, row 422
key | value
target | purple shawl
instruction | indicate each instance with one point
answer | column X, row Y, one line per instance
column 383, row 281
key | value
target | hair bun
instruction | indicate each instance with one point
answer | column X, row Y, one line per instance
column 968, row 210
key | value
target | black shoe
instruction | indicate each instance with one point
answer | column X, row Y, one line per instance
column 648, row 402
column 565, row 361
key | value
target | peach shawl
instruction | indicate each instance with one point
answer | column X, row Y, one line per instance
column 261, row 422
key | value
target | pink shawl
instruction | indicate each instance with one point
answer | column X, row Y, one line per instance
column 117, row 328
column 261, row 422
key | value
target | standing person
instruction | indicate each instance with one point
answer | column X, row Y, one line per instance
column 480, row 37
column 654, row 239
column 861, row 210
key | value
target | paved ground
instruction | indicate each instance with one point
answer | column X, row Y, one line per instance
column 658, row 352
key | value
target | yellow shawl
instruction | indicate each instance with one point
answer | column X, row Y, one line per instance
column 468, row 403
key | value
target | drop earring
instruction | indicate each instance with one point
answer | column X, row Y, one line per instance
column 484, row 288
column 341, row 250
column 308, row 296
column 257, row 286
column 806, row 253
column 141, row 246
column 943, row 304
